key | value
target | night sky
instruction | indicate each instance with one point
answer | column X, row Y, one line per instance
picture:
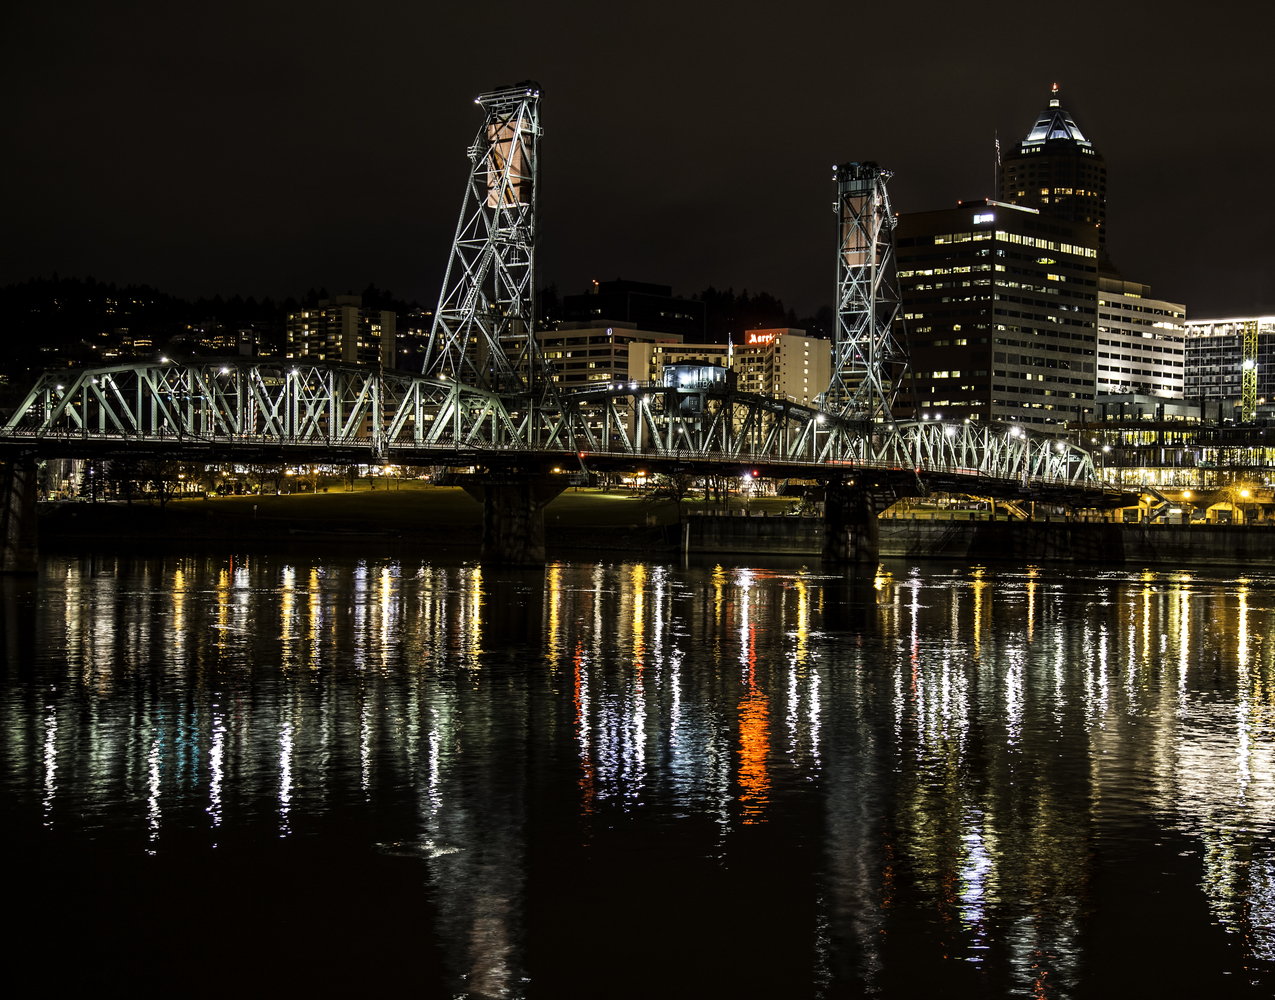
column 264, row 149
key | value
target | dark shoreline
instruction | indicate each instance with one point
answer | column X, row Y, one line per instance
column 147, row 529
column 142, row 528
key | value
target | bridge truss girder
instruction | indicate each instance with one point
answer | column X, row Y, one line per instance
column 235, row 409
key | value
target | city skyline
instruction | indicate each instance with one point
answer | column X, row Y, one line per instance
column 231, row 157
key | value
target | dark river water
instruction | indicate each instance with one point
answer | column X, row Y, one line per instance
column 322, row 774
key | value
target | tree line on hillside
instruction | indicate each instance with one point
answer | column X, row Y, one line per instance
column 726, row 313
column 55, row 322
column 51, row 322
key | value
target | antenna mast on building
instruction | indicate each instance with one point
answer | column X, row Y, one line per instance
column 868, row 354
column 484, row 326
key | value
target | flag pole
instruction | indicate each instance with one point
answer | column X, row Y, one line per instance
column 996, row 169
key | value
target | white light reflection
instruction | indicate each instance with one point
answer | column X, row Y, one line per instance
column 1097, row 707
column 1060, row 659
column 216, row 767
column 285, row 779
column 815, row 717
column 914, row 645
column 50, row 761
column 583, row 742
column 1014, row 697
column 793, row 698
column 1243, row 703
column 359, row 611
column 153, row 814
column 1184, row 646
column 1261, row 909
column 973, row 879
column 365, row 744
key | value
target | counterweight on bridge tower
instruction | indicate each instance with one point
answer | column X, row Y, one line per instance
column 869, row 347
column 484, row 327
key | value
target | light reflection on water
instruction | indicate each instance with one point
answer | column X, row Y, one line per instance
column 953, row 755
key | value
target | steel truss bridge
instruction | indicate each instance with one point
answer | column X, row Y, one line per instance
column 488, row 399
column 251, row 411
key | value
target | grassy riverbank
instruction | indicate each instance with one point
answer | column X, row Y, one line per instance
column 412, row 512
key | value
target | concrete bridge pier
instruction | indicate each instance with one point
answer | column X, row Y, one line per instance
column 852, row 533
column 514, row 518
column 19, row 548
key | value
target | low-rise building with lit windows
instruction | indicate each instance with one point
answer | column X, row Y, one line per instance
column 1215, row 363
column 582, row 355
column 648, row 361
column 781, row 363
column 784, row 364
column 1141, row 341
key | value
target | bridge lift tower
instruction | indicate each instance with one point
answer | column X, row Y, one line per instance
column 484, row 327
column 869, row 346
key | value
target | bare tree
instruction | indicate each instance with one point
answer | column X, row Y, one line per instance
column 309, row 476
column 671, row 486
column 162, row 475
column 124, row 473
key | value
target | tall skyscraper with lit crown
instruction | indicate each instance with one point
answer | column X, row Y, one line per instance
column 1057, row 171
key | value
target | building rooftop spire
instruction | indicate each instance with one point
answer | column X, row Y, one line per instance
column 1055, row 124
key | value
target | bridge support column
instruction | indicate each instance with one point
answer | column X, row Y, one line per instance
column 513, row 520
column 19, row 549
column 852, row 535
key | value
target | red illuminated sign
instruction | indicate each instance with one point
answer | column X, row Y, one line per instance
column 761, row 338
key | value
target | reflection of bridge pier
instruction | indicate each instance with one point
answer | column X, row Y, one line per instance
column 852, row 533
column 18, row 533
column 513, row 514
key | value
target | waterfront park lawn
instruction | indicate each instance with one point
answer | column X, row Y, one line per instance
column 412, row 505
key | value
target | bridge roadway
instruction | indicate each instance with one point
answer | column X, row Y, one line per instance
column 256, row 411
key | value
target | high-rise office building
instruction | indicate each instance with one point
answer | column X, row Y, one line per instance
column 1057, row 171
column 340, row 329
column 1000, row 305
column 1013, row 308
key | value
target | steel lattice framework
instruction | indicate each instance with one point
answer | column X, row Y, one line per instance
column 868, row 354
column 483, row 331
column 242, row 409
column 1248, row 372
